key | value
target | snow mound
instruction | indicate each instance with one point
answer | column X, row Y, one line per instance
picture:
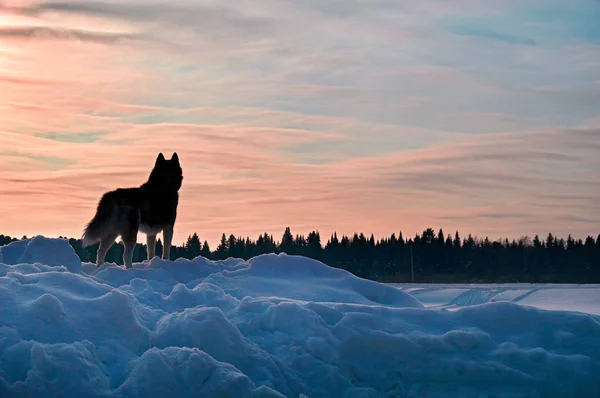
column 274, row 326
column 51, row 252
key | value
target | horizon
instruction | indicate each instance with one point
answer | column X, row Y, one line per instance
column 325, row 238
column 379, row 118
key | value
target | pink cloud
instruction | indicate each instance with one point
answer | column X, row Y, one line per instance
column 344, row 196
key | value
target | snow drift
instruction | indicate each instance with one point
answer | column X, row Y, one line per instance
column 273, row 326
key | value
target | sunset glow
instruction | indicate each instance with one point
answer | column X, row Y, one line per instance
column 372, row 117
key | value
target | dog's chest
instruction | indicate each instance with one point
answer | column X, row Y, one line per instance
column 157, row 213
column 151, row 229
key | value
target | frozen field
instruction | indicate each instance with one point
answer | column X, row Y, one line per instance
column 582, row 298
column 281, row 326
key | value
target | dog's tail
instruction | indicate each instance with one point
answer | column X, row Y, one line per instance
column 102, row 223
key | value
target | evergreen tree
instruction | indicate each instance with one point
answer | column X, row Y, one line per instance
column 449, row 243
column 401, row 239
column 589, row 243
column 232, row 247
column 158, row 248
column 456, row 241
column 287, row 242
column 193, row 246
column 300, row 245
column 313, row 246
column 205, row 251
column 550, row 241
column 428, row 236
column 222, row 249
column 570, row 243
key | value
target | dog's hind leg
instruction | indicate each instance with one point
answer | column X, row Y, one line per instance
column 105, row 245
column 151, row 243
column 129, row 236
column 168, row 236
column 129, row 242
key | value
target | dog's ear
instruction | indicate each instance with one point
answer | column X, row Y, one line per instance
column 175, row 158
column 160, row 159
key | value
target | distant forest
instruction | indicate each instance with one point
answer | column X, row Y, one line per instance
column 427, row 258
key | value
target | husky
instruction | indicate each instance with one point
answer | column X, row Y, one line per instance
column 150, row 208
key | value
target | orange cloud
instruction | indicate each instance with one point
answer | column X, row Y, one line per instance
column 410, row 190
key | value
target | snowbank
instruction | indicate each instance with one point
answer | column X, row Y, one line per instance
column 273, row 326
column 52, row 252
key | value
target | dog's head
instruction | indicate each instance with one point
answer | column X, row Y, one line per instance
column 167, row 174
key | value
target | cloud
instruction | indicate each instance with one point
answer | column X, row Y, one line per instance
column 44, row 33
column 490, row 34
column 379, row 191
column 50, row 160
column 213, row 22
column 88, row 137
column 22, row 80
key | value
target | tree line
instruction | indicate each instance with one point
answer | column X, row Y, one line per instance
column 428, row 257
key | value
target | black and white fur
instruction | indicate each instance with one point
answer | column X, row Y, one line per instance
column 150, row 208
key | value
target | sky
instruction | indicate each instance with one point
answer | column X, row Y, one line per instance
column 356, row 116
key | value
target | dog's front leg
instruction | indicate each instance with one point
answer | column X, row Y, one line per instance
column 151, row 243
column 168, row 237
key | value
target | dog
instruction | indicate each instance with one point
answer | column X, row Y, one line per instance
column 149, row 208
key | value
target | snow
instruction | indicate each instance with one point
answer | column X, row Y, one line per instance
column 567, row 297
column 52, row 252
column 280, row 325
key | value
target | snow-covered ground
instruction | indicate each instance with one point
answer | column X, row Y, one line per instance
column 566, row 297
column 279, row 326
